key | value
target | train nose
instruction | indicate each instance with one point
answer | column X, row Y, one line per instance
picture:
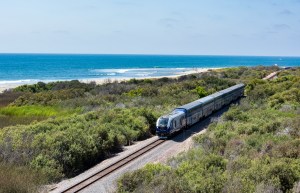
column 162, row 128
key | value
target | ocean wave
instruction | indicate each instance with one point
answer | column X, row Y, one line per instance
column 122, row 71
column 109, row 73
column 25, row 81
column 126, row 70
column 144, row 74
column 119, row 71
column 138, row 72
column 29, row 81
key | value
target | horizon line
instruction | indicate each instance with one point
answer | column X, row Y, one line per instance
column 139, row 54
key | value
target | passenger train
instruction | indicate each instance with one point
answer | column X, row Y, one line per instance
column 184, row 116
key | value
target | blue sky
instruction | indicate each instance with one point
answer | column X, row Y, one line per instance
column 214, row 27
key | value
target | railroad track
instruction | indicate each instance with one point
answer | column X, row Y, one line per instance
column 104, row 172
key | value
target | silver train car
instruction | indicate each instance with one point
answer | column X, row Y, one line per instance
column 184, row 116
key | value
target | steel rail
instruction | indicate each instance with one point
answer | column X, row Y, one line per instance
column 109, row 169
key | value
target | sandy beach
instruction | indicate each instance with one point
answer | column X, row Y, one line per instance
column 106, row 80
column 6, row 85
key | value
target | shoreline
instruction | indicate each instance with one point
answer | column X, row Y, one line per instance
column 106, row 80
column 7, row 85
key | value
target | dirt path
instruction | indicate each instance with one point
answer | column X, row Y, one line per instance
column 271, row 76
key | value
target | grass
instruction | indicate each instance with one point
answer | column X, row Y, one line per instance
column 29, row 111
column 18, row 120
column 15, row 179
column 36, row 110
column 13, row 115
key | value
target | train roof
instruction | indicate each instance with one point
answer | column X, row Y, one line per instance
column 172, row 114
column 209, row 98
column 206, row 99
column 227, row 90
column 190, row 105
column 216, row 94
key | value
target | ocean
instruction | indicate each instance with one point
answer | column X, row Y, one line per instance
column 30, row 68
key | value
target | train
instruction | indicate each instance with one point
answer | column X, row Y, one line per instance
column 187, row 115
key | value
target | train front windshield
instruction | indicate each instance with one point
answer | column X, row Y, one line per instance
column 163, row 122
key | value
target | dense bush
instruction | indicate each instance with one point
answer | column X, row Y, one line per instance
column 63, row 146
column 161, row 94
column 255, row 147
column 62, row 128
column 48, row 98
column 60, row 85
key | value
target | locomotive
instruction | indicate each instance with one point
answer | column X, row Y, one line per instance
column 184, row 116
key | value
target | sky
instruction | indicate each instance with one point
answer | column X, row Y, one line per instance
column 189, row 27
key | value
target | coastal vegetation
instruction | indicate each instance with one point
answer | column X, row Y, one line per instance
column 254, row 147
column 57, row 130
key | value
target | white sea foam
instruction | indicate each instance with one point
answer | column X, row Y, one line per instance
column 120, row 71
column 116, row 74
column 26, row 81
column 125, row 70
column 145, row 74
column 140, row 72
column 111, row 74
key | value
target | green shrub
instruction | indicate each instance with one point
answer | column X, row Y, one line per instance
column 87, row 123
column 200, row 91
column 253, row 148
column 132, row 181
column 66, row 146
column 59, row 85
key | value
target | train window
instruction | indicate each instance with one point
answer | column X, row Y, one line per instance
column 163, row 122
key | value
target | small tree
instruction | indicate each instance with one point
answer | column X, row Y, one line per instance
column 201, row 91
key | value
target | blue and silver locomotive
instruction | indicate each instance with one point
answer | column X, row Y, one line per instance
column 187, row 115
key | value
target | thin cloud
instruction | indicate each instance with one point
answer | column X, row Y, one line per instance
column 216, row 17
column 36, row 32
column 168, row 22
column 89, row 7
column 272, row 32
column 61, row 32
column 236, row 35
column 176, row 13
column 118, row 31
column 281, row 27
column 125, row 3
column 286, row 12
